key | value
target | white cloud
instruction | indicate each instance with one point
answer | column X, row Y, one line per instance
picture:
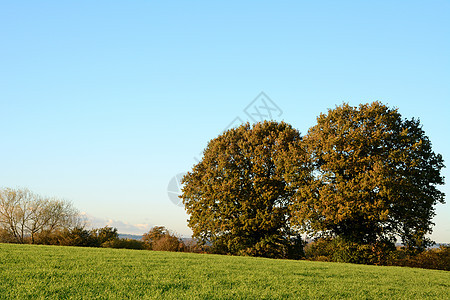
column 122, row 227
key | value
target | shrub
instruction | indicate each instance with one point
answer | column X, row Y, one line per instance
column 160, row 239
column 339, row 250
column 437, row 258
column 49, row 238
column 6, row 236
column 77, row 236
column 105, row 234
column 319, row 248
column 168, row 243
column 380, row 253
column 124, row 244
column 193, row 246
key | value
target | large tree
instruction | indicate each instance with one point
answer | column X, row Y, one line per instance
column 375, row 177
column 238, row 195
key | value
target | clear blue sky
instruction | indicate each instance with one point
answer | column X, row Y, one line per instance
column 103, row 102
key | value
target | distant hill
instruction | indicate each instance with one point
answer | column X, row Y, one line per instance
column 139, row 237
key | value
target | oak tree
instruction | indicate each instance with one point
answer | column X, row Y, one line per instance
column 374, row 177
column 238, row 195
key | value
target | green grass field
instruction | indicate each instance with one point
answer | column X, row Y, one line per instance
column 53, row 272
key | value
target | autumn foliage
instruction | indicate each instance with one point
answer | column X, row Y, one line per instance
column 363, row 175
column 375, row 177
column 238, row 196
column 161, row 239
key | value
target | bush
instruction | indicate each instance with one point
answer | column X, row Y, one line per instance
column 381, row 253
column 437, row 258
column 124, row 244
column 168, row 243
column 275, row 247
column 51, row 238
column 6, row 236
column 160, row 239
column 77, row 236
column 321, row 248
column 105, row 234
column 339, row 250
column 194, row 247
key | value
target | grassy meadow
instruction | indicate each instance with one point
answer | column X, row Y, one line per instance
column 55, row 272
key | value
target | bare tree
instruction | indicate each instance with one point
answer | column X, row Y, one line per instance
column 24, row 214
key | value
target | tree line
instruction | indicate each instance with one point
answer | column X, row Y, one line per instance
column 26, row 217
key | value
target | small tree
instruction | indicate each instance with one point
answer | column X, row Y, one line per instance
column 160, row 239
column 104, row 234
column 154, row 234
column 168, row 243
column 374, row 177
column 77, row 236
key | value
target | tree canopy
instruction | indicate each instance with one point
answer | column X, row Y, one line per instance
column 238, row 195
column 374, row 177
column 363, row 174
